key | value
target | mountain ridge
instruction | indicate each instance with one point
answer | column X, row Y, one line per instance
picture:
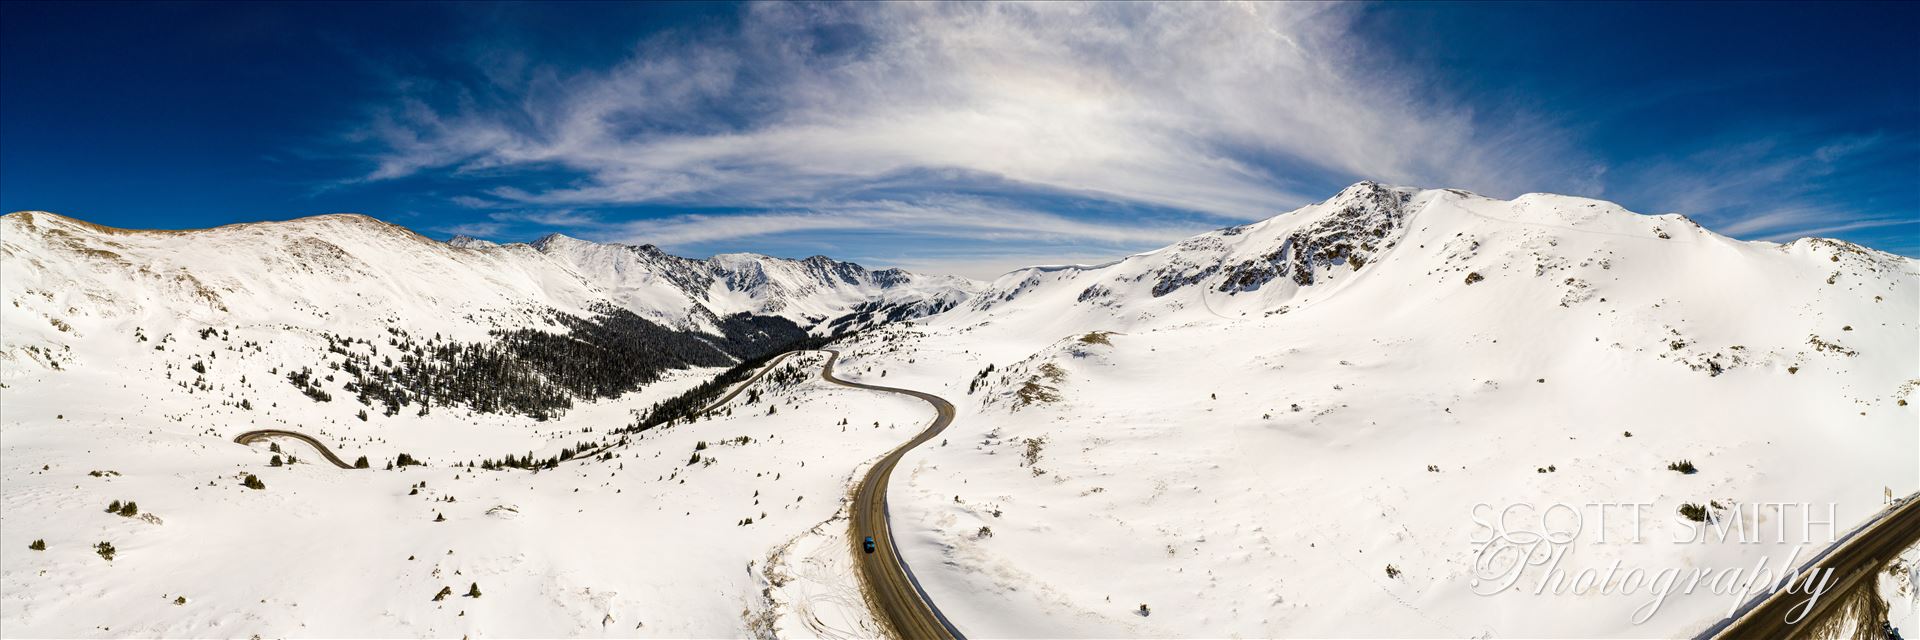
column 1358, row 189
column 577, row 273
column 1412, row 351
column 371, row 269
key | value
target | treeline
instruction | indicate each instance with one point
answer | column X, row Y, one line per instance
column 527, row 461
column 693, row 400
column 538, row 373
column 683, row 405
column 876, row 312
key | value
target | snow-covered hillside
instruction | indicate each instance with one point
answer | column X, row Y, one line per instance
column 641, row 542
column 512, row 328
column 141, row 354
column 337, row 270
column 1258, row 431
column 807, row 291
column 1262, row 430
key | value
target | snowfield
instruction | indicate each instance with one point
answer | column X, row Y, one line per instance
column 1251, row 461
column 643, row 544
column 1259, row 431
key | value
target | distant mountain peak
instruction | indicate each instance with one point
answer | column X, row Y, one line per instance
column 558, row 239
column 470, row 242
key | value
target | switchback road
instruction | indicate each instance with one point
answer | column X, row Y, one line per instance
column 896, row 595
column 764, row 370
column 251, row 437
column 897, row 598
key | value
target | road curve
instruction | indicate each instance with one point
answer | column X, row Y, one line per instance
column 757, row 375
column 896, row 595
column 251, row 437
column 1854, row 559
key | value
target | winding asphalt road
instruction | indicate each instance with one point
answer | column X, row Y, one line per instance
column 1855, row 561
column 764, row 370
column 251, row 437
column 896, row 595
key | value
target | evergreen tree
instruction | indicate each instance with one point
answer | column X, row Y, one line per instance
column 114, row 507
column 274, row 461
column 360, row 463
column 474, row 591
column 253, row 482
column 538, row 373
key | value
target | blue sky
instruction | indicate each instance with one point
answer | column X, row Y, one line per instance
column 959, row 138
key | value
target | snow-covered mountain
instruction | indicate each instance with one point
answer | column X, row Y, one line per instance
column 130, row 360
column 693, row 293
column 317, row 264
column 1263, row 429
column 1256, row 431
column 1429, row 244
column 66, row 280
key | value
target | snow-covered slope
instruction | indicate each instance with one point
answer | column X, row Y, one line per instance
column 642, row 544
column 1257, row 432
column 1245, row 430
column 142, row 354
column 334, row 270
column 1400, row 241
column 691, row 293
column 299, row 288
column 324, row 272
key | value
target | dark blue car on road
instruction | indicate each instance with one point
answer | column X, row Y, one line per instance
column 868, row 545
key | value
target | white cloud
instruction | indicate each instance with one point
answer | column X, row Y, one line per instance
column 1778, row 186
column 1827, row 230
column 939, row 217
column 985, row 266
column 1775, row 220
column 474, row 229
column 1173, row 105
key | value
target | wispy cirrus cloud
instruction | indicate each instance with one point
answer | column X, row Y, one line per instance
column 474, row 229
column 1775, row 186
column 1046, row 127
column 914, row 230
column 1170, row 105
column 942, row 217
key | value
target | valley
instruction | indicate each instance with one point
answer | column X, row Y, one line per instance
column 1253, row 432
